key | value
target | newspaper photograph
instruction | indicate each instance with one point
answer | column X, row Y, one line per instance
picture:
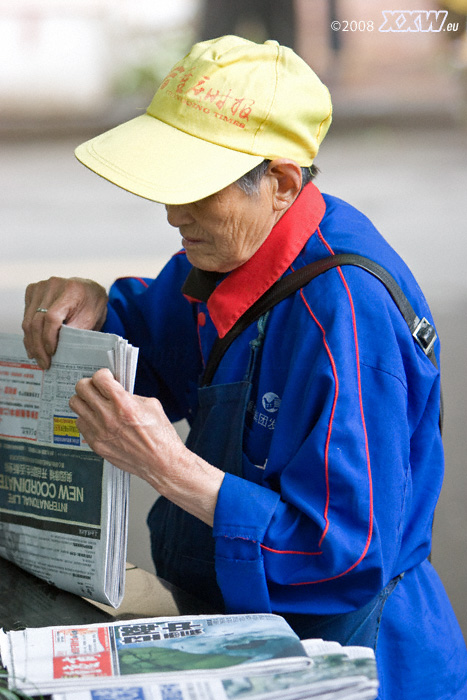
column 63, row 509
column 58, row 659
column 335, row 672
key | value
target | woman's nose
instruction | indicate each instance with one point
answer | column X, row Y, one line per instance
column 178, row 215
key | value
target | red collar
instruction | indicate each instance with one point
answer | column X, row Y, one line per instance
column 247, row 283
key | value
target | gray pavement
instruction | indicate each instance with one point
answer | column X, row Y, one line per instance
column 57, row 218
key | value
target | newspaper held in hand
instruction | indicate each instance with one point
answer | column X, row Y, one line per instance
column 219, row 657
column 63, row 509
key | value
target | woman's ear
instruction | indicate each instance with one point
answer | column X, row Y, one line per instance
column 287, row 182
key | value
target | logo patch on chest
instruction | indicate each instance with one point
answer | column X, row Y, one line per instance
column 271, row 402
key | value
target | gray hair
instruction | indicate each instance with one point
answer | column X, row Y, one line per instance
column 250, row 182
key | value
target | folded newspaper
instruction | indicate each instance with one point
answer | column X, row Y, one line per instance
column 215, row 657
column 63, row 509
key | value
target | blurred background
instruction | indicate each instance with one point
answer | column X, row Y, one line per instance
column 397, row 150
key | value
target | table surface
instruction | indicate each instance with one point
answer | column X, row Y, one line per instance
column 26, row 601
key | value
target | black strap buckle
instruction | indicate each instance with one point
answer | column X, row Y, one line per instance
column 425, row 335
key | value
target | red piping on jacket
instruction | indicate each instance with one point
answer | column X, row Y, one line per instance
column 138, row 279
column 367, row 452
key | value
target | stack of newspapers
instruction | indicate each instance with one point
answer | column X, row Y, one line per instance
column 217, row 657
column 63, row 509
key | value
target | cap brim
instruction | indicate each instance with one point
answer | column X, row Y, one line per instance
column 156, row 161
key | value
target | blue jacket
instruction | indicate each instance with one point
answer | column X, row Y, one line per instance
column 342, row 453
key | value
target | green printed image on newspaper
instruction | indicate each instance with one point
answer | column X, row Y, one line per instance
column 211, row 643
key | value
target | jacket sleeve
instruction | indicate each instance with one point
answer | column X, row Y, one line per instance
column 355, row 464
column 155, row 317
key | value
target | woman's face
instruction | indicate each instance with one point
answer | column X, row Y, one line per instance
column 224, row 230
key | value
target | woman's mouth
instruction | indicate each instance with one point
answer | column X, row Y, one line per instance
column 189, row 242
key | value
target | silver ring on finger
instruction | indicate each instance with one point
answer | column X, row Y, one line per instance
column 41, row 310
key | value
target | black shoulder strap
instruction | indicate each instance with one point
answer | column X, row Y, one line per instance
column 422, row 331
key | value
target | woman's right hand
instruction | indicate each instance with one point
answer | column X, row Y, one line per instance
column 78, row 302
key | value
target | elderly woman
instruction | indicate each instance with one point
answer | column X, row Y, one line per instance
column 310, row 476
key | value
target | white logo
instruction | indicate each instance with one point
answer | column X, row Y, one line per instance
column 271, row 402
column 414, row 21
column 400, row 21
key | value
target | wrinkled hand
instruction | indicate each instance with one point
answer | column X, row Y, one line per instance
column 134, row 434
column 129, row 431
column 80, row 303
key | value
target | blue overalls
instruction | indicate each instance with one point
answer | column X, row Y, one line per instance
column 183, row 547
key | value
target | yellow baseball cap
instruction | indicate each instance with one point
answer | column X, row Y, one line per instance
column 225, row 107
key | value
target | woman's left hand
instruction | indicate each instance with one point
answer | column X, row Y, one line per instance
column 134, row 434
